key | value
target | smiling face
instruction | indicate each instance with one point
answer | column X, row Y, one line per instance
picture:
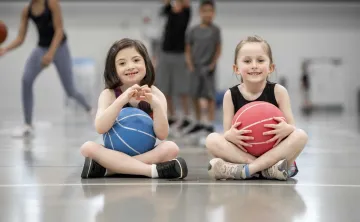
column 253, row 62
column 130, row 66
column 128, row 63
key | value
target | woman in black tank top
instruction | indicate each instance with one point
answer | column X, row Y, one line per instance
column 51, row 47
column 253, row 62
column 44, row 23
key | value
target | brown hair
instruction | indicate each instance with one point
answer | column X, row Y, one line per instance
column 253, row 39
column 207, row 2
column 111, row 78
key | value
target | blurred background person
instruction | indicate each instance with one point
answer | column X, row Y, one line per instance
column 203, row 49
column 305, row 87
column 51, row 47
column 152, row 32
column 172, row 75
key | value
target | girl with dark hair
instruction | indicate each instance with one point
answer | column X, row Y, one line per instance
column 129, row 77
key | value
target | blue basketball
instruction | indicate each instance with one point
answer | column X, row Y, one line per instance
column 132, row 133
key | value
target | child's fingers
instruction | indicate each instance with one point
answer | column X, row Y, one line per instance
column 237, row 124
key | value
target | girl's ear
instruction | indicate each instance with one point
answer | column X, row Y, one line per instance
column 236, row 69
column 272, row 68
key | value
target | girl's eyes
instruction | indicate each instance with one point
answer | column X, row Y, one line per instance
column 123, row 63
column 260, row 60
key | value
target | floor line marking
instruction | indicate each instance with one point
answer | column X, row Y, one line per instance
column 180, row 183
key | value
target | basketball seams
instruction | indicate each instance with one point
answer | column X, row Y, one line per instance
column 125, row 142
column 259, row 143
column 133, row 115
column 133, row 129
column 261, row 121
column 112, row 145
column 258, row 146
column 118, row 136
column 263, row 103
column 264, row 120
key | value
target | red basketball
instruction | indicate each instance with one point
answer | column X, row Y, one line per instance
column 253, row 116
column 3, row 32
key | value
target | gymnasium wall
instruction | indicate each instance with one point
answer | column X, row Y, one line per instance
column 294, row 30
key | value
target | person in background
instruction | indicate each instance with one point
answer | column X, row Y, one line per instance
column 172, row 75
column 152, row 34
column 203, row 49
column 52, row 47
column 305, row 86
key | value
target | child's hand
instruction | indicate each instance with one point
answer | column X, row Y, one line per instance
column 146, row 95
column 47, row 59
column 132, row 92
column 236, row 136
column 281, row 130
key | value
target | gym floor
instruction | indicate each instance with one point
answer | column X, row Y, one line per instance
column 40, row 180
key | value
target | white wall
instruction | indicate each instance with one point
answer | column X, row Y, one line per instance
column 294, row 30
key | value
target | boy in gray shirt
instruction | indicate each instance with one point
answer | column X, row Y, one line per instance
column 203, row 48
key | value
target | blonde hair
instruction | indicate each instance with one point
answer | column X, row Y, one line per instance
column 254, row 39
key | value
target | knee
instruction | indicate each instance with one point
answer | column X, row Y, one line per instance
column 171, row 150
column 301, row 136
column 211, row 141
column 88, row 149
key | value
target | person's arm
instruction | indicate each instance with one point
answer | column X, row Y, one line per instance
column 58, row 26
column 161, row 124
column 187, row 10
column 108, row 109
column 188, row 57
column 22, row 30
column 283, row 99
column 218, row 50
column 186, row 3
column 166, row 9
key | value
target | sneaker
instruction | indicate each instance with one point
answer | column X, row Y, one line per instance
column 92, row 169
column 210, row 129
column 277, row 171
column 185, row 123
column 173, row 169
column 218, row 169
column 293, row 170
column 194, row 129
column 24, row 131
column 171, row 121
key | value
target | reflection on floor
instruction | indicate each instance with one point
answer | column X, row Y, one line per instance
column 40, row 180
